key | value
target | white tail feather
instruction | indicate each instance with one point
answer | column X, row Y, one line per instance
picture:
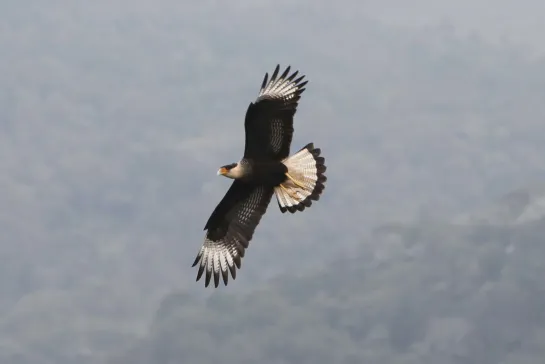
column 307, row 168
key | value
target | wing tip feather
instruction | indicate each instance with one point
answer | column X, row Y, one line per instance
column 217, row 260
column 282, row 86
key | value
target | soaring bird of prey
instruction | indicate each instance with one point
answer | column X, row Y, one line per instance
column 266, row 168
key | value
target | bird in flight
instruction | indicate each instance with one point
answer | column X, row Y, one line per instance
column 266, row 168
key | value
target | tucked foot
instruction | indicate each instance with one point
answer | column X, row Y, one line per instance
column 297, row 183
column 290, row 192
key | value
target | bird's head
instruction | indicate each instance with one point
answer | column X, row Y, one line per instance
column 230, row 170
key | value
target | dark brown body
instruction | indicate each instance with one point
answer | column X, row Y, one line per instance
column 269, row 173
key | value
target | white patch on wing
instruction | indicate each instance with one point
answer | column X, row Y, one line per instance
column 217, row 256
column 280, row 88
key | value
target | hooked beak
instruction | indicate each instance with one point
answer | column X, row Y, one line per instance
column 222, row 171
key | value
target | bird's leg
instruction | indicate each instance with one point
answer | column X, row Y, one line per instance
column 299, row 184
column 290, row 193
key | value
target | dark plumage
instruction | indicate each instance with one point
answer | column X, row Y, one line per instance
column 265, row 169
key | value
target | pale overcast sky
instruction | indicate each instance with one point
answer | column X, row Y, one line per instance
column 495, row 20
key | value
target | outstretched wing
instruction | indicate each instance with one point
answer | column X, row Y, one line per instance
column 230, row 229
column 269, row 120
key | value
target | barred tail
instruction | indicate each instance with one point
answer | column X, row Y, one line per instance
column 307, row 168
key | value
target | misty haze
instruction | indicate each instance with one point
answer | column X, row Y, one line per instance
column 426, row 247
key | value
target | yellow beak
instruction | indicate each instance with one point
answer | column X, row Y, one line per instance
column 222, row 171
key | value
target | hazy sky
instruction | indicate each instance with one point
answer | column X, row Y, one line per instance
column 111, row 109
column 494, row 20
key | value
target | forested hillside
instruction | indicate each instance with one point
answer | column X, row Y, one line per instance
column 429, row 293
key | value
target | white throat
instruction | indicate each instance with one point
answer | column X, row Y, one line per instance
column 235, row 172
